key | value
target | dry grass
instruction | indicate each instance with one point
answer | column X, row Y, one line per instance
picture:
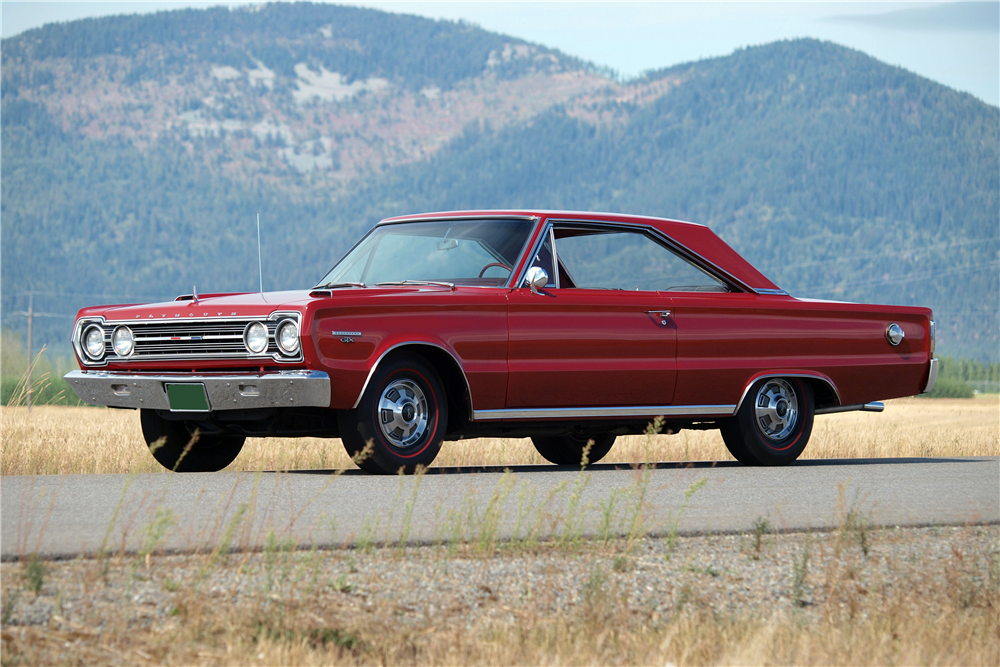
column 65, row 440
column 916, row 596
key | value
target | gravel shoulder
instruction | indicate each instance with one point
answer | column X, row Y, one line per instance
column 362, row 604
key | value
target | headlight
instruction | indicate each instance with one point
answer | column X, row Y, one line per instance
column 288, row 337
column 255, row 337
column 123, row 341
column 93, row 342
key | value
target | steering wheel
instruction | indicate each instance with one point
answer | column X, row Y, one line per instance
column 492, row 264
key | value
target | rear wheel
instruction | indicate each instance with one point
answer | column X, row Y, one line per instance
column 176, row 446
column 568, row 450
column 403, row 413
column 773, row 425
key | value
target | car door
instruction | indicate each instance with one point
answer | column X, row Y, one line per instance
column 599, row 334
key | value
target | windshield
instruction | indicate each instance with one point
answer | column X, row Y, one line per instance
column 463, row 252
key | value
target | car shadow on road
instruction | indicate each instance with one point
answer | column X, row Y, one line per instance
column 662, row 465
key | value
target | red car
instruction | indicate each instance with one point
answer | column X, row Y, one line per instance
column 568, row 328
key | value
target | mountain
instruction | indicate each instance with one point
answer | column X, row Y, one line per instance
column 136, row 151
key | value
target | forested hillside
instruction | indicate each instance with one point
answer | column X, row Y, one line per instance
column 838, row 176
column 136, row 151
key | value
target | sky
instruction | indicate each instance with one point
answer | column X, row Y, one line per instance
column 954, row 43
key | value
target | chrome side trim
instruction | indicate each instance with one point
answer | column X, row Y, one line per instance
column 867, row 407
column 382, row 356
column 226, row 391
column 637, row 411
column 932, row 376
column 811, row 376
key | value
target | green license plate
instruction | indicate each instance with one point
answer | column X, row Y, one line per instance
column 187, row 397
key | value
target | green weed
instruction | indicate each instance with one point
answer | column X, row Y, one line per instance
column 761, row 527
column 34, row 573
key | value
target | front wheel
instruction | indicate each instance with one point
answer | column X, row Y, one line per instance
column 181, row 449
column 569, row 450
column 403, row 414
column 773, row 425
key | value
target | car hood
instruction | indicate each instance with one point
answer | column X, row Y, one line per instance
column 252, row 304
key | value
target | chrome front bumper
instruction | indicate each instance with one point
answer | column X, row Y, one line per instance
column 225, row 392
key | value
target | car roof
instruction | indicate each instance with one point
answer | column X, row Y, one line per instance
column 695, row 237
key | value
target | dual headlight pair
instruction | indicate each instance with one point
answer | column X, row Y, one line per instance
column 286, row 336
column 122, row 341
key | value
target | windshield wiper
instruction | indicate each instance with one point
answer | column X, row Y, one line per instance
column 339, row 285
column 417, row 282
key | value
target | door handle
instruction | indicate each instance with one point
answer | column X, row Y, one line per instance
column 662, row 314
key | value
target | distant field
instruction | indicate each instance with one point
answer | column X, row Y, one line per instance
column 71, row 440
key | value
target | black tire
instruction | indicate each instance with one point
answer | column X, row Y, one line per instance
column 403, row 412
column 567, row 450
column 207, row 453
column 774, row 423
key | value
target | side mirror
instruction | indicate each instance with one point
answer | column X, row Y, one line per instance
column 536, row 278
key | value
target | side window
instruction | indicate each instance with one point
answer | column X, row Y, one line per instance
column 627, row 261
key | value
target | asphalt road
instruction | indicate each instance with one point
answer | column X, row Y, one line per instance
column 66, row 516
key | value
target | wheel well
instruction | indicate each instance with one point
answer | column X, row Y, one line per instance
column 823, row 394
column 456, row 387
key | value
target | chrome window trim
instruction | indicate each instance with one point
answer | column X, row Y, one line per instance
column 683, row 251
column 389, row 349
column 276, row 316
column 616, row 412
column 555, row 255
column 536, row 247
column 481, row 216
column 446, row 218
column 771, row 292
column 768, row 375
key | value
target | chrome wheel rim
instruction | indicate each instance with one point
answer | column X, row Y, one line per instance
column 776, row 409
column 402, row 413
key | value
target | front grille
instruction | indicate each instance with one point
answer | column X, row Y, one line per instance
column 199, row 339
column 196, row 339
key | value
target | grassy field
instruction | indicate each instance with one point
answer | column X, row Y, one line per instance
column 70, row 440
column 856, row 595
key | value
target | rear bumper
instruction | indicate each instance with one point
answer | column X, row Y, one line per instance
column 225, row 392
column 931, row 377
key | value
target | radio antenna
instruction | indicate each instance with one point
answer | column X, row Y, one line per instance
column 260, row 266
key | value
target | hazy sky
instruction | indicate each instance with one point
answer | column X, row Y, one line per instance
column 955, row 43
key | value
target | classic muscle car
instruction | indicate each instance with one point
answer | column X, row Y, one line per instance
column 569, row 328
